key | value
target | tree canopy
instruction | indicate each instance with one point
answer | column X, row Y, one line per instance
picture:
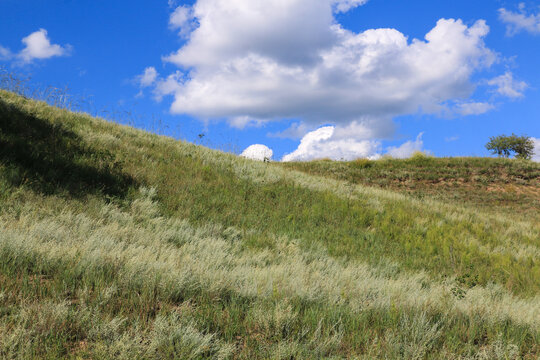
column 520, row 146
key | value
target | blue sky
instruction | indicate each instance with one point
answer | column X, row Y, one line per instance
column 344, row 76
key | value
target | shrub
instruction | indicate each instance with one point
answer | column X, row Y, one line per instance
column 362, row 163
column 419, row 155
column 520, row 146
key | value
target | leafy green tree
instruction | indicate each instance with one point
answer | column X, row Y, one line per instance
column 520, row 146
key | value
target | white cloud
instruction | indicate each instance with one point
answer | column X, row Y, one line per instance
column 241, row 122
column 148, row 77
column 168, row 86
column 273, row 59
column 258, row 152
column 407, row 149
column 38, row 46
column 182, row 19
column 473, row 108
column 451, row 138
column 255, row 61
column 296, row 131
column 333, row 143
column 287, row 30
column 520, row 21
column 322, row 143
column 506, row 85
column 366, row 128
column 346, row 5
column 536, row 155
column 5, row 54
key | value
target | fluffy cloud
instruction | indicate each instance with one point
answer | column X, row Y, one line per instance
column 295, row 131
column 5, row 54
column 506, row 85
column 407, row 149
column 182, row 19
column 148, row 77
column 331, row 142
column 253, row 61
column 473, row 108
column 38, row 46
column 289, row 31
column 258, row 152
column 167, row 86
column 346, row 5
column 278, row 59
column 323, row 143
column 520, row 21
column 536, row 156
column 161, row 86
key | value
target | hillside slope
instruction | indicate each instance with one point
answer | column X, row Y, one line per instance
column 116, row 243
column 504, row 186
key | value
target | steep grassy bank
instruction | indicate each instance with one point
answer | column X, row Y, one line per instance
column 118, row 243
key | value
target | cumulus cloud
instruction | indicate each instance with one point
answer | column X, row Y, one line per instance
column 520, row 21
column 506, row 85
column 331, row 142
column 38, row 46
column 296, row 131
column 148, row 77
column 289, row 31
column 240, row 122
column 258, row 152
column 254, row 61
column 168, row 86
column 5, row 54
column 407, row 149
column 346, row 5
column 473, row 108
column 160, row 86
column 322, row 143
column 182, row 19
column 278, row 59
column 536, row 155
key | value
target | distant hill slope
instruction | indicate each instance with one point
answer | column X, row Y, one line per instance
column 500, row 185
column 117, row 243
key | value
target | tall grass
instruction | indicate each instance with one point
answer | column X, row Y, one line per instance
column 138, row 267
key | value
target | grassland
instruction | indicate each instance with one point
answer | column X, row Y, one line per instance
column 499, row 185
column 116, row 243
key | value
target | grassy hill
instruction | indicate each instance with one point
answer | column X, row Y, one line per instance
column 116, row 243
column 496, row 185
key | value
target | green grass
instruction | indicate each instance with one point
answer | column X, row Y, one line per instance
column 116, row 243
column 506, row 186
column 500, row 187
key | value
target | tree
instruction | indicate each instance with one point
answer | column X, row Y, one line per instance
column 520, row 146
